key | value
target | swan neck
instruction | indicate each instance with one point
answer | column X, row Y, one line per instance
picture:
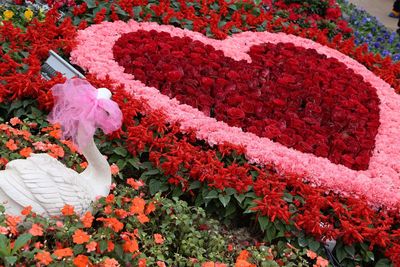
column 98, row 172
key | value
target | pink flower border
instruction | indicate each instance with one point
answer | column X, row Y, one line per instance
column 380, row 184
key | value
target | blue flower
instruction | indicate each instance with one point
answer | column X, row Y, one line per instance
column 369, row 30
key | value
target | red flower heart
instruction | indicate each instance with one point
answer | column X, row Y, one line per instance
column 288, row 94
column 214, row 89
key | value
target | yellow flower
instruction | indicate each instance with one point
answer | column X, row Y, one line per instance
column 8, row 14
column 28, row 14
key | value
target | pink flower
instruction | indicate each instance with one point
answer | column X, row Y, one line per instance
column 3, row 230
column 91, row 246
column 114, row 169
column 15, row 121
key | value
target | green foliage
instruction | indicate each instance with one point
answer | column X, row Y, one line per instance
column 311, row 6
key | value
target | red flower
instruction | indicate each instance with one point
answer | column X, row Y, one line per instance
column 267, row 96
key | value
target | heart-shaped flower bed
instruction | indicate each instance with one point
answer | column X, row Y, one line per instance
column 306, row 108
column 288, row 94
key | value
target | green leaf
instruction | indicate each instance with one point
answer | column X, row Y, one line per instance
column 350, row 250
column 21, row 241
column 76, row 20
column 340, row 254
column 263, row 221
column 103, row 245
column 121, row 163
column 137, row 10
column 224, row 199
column 230, row 209
column 119, row 251
column 230, row 191
column 78, row 249
column 177, row 192
column 154, row 186
column 90, row 3
column 199, row 200
column 302, row 241
column 370, row 255
column 212, row 194
column 120, row 11
column 271, row 233
column 239, row 197
column 121, row 151
column 314, row 245
column 11, row 260
column 288, row 197
column 151, row 172
column 134, row 162
column 383, row 263
column 194, row 185
column 233, row 7
column 4, row 246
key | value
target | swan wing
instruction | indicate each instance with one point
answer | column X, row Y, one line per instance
column 51, row 183
column 13, row 186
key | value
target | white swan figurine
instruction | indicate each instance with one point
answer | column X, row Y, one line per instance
column 45, row 184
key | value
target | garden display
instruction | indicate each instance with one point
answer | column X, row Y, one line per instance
column 254, row 133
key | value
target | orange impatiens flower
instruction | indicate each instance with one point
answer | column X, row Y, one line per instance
column 114, row 169
column 110, row 262
column 56, row 151
column 135, row 184
column 244, row 255
column 110, row 246
column 3, row 161
column 81, row 261
column 14, row 121
column 130, row 245
column 25, row 152
column 110, row 199
column 241, row 260
column 112, row 223
column 158, row 239
column 84, row 165
column 12, row 222
column 80, row 237
column 91, row 246
column 43, row 258
column 70, row 145
column 137, row 205
column 68, row 210
column 150, row 208
column 321, row 262
column 213, row 264
column 311, row 254
column 87, row 219
column 56, row 132
column 63, row 252
column 26, row 211
column 36, row 230
column 10, row 144
column 142, row 262
column 3, row 230
column 142, row 218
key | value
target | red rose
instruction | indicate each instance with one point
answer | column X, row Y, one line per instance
column 235, row 113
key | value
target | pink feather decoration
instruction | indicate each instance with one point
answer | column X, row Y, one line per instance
column 80, row 112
